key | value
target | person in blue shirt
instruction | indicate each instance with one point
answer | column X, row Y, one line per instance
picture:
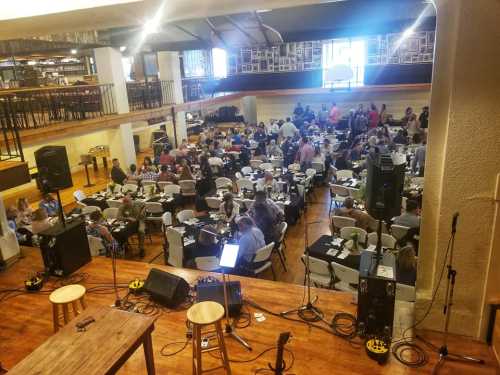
column 251, row 240
column 50, row 205
column 236, row 138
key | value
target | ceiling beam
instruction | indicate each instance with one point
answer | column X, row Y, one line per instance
column 262, row 28
column 240, row 29
column 216, row 32
column 185, row 31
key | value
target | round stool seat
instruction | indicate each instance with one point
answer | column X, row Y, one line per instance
column 67, row 294
column 207, row 312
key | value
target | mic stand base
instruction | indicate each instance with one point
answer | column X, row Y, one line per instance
column 230, row 331
column 307, row 312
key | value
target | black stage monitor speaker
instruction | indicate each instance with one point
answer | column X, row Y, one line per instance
column 165, row 288
column 65, row 248
column 53, row 168
column 376, row 295
column 214, row 291
column 384, row 187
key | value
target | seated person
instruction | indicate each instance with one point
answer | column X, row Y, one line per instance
column 133, row 211
column 363, row 220
column 406, row 266
column 24, row 212
column 23, row 236
column 166, row 176
column 251, row 239
column 409, row 218
column 149, row 174
column 259, row 154
column 400, row 138
column 261, row 198
column 117, row 175
column 342, row 162
column 166, row 158
column 97, row 229
column 273, row 150
column 132, row 174
column 50, row 205
column 40, row 222
column 229, row 209
column 267, row 183
column 186, row 173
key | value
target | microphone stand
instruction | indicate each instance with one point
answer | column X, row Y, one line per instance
column 307, row 312
column 118, row 301
column 444, row 354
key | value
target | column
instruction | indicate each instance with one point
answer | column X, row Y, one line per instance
column 249, row 105
column 110, row 70
column 121, row 145
column 462, row 165
column 169, row 68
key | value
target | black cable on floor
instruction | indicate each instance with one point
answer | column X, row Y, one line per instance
column 406, row 348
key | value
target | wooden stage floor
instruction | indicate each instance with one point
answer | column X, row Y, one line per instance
column 27, row 322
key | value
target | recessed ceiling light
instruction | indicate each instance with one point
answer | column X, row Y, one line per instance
column 123, row 48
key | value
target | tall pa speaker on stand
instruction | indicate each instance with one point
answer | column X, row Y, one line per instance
column 54, row 172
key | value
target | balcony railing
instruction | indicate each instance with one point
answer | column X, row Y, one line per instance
column 35, row 108
column 147, row 95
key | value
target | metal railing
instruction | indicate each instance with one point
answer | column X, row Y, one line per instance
column 10, row 142
column 40, row 107
column 152, row 94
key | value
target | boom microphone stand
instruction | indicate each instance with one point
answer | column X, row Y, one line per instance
column 444, row 354
column 307, row 312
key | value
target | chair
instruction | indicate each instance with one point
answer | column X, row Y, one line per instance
column 96, row 246
column 344, row 174
column 213, row 203
column 405, row 292
column 403, row 203
column 238, row 175
column 129, row 188
column 208, row 264
column 294, row 167
column 63, row 297
column 223, row 183
column 118, row 188
column 200, row 315
column 388, row 241
column 255, row 163
column 185, row 215
column 145, row 183
column 264, row 255
column 172, row 189
column 319, row 272
column 318, row 167
column 280, row 246
column 154, row 211
column 246, row 170
column 399, row 231
column 248, row 203
column 244, row 183
column 347, row 276
column 340, row 222
column 345, row 233
column 162, row 184
column 266, row 166
column 188, row 188
column 110, row 213
column 277, row 163
column 338, row 194
column 166, row 219
column 87, row 210
column 114, row 203
column 175, row 248
column 215, row 161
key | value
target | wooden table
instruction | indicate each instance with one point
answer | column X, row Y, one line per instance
column 102, row 348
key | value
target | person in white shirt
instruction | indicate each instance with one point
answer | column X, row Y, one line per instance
column 288, row 129
column 273, row 130
column 229, row 208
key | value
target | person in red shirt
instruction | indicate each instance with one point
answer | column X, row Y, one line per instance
column 166, row 158
column 334, row 114
column 373, row 117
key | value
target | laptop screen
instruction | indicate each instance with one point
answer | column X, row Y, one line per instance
column 229, row 255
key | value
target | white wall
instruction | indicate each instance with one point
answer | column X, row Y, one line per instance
column 279, row 107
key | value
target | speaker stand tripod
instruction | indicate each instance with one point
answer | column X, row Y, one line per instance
column 444, row 354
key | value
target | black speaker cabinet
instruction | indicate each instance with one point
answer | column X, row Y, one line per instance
column 165, row 288
column 214, row 291
column 53, row 168
column 65, row 249
column 376, row 295
column 384, row 187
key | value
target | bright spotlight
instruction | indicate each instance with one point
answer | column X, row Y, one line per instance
column 151, row 26
column 123, row 48
column 74, row 51
column 408, row 32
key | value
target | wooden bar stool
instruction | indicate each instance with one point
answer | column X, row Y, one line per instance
column 65, row 296
column 200, row 315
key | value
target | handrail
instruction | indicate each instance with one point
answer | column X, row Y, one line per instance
column 47, row 88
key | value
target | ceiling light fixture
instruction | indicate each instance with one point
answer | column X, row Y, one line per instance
column 74, row 51
column 123, row 48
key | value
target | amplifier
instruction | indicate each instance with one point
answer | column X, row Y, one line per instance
column 376, row 295
column 165, row 288
column 214, row 291
column 65, row 248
